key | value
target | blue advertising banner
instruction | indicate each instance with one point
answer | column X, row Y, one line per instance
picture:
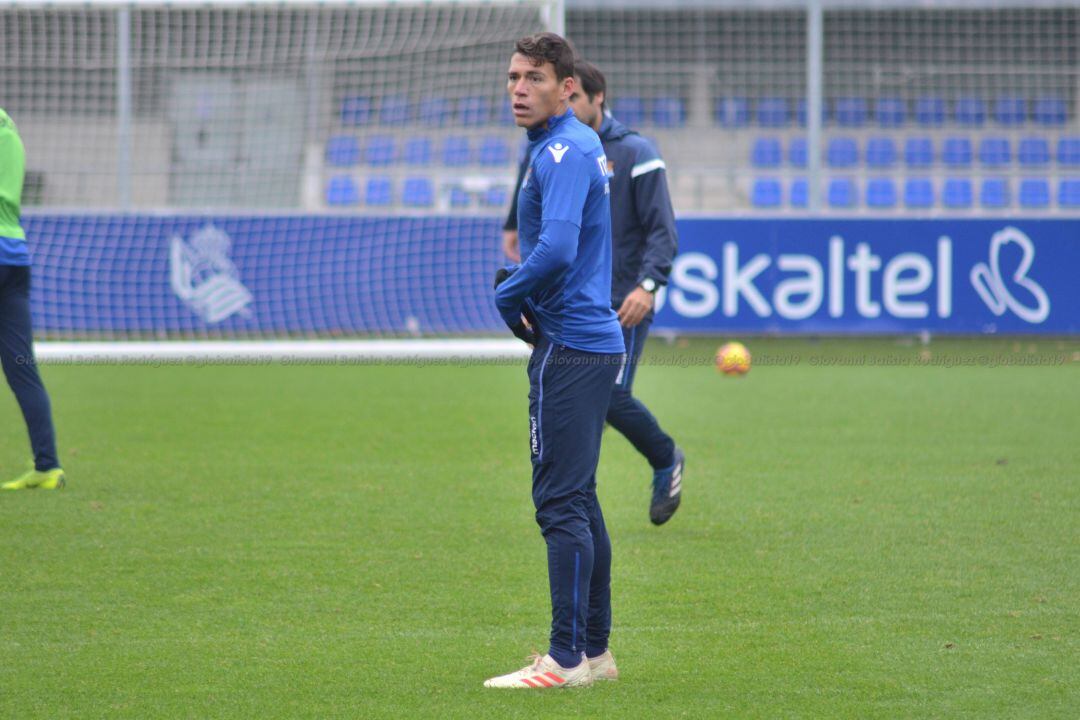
column 235, row 276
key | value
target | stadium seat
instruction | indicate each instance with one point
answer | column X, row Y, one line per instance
column 766, row 152
column 766, row 193
column 842, row 152
column 435, row 111
column 1034, row 193
column 379, row 192
column 772, row 112
column 1069, row 193
column 495, row 196
column 629, row 110
column 418, row 192
column 919, row 152
column 995, row 193
column 956, row 151
column 342, row 151
column 797, row 152
column 850, row 112
column 930, row 111
column 970, row 111
column 341, row 191
column 379, row 150
column 890, row 112
column 494, row 151
column 417, row 151
column 668, row 112
column 1050, row 111
column 842, row 193
column 457, row 151
column 394, row 110
column 1010, row 110
column 459, row 197
column 800, row 113
column 732, row 112
column 355, row 111
column 474, row 111
column 918, row 193
column 1068, row 151
column 880, row 152
column 1034, row 152
column 956, row 193
column 880, row 193
column 504, row 112
column 995, row 151
column 800, row 193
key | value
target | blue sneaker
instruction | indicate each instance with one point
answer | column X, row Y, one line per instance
column 667, row 490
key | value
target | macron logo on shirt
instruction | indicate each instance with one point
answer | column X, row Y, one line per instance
column 557, row 151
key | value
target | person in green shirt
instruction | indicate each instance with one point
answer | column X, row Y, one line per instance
column 16, row 332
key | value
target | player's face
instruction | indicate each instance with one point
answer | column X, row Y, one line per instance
column 586, row 110
column 535, row 93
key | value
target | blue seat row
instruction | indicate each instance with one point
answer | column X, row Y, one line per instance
column 883, row 152
column 383, row 150
column 397, row 110
column 919, row 193
column 663, row 112
column 416, row 192
column 927, row 111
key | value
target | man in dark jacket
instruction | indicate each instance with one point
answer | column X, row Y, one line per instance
column 644, row 242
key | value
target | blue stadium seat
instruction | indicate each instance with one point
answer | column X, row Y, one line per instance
column 995, row 193
column 394, row 110
column 341, row 191
column 494, row 151
column 495, row 196
column 504, row 111
column 842, row 152
column 880, row 152
column 1034, row 152
column 850, row 112
column 890, row 112
column 418, row 192
column 880, row 193
column 1010, row 110
column 417, row 151
column 1068, row 151
column 474, row 111
column 930, row 111
column 732, row 112
column 995, row 151
column 919, row 152
column 956, row 151
column 1034, row 193
column 457, row 151
column 797, row 152
column 1051, row 111
column 342, row 151
column 773, row 112
column 629, row 110
column 970, row 111
column 800, row 113
column 800, row 193
column 956, row 193
column 459, row 197
column 1069, row 193
column 918, row 193
column 355, row 111
column 379, row 150
column 668, row 112
column 766, row 193
column 435, row 111
column 842, row 193
column 766, row 152
column 379, row 192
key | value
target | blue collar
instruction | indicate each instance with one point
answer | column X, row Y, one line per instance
column 553, row 123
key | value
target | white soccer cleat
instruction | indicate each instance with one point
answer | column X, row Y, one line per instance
column 603, row 667
column 544, row 673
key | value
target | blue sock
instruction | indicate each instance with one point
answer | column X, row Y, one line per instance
column 565, row 659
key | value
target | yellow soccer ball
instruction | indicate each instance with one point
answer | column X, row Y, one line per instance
column 733, row 359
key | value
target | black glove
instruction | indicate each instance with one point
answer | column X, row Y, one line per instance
column 524, row 332
column 529, row 333
column 501, row 274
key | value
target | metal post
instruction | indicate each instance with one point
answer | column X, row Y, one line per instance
column 123, row 107
column 556, row 17
column 814, row 88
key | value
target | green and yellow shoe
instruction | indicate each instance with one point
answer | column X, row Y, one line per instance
column 46, row 480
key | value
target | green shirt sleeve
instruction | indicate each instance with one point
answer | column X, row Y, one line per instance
column 12, row 170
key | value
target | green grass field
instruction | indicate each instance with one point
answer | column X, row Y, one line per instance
column 871, row 530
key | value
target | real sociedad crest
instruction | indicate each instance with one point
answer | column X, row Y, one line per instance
column 204, row 278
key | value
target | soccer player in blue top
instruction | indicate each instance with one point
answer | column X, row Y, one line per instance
column 559, row 300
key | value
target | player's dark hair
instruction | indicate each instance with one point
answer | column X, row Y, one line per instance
column 592, row 80
column 549, row 47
